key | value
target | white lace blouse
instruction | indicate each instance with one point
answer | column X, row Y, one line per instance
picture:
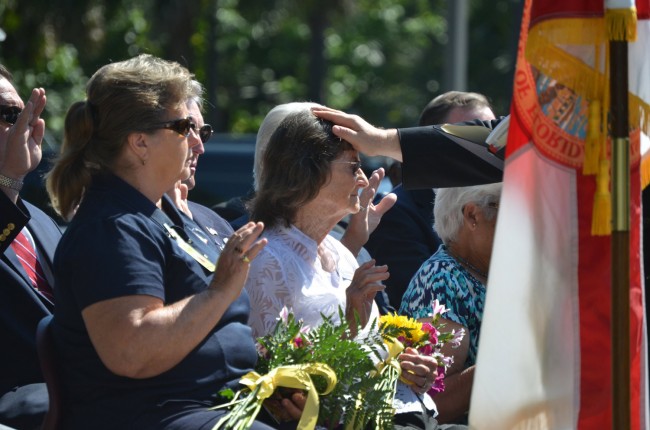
column 289, row 272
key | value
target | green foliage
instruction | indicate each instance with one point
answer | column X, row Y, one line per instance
column 360, row 394
column 378, row 58
column 64, row 82
column 382, row 59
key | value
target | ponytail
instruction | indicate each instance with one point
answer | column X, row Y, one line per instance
column 72, row 172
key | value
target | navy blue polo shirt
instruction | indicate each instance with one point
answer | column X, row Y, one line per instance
column 112, row 248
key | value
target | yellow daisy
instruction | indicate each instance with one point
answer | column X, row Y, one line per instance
column 409, row 327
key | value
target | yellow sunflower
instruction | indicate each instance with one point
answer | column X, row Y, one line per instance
column 408, row 327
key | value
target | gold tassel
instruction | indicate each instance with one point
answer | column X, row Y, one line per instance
column 621, row 24
column 601, row 221
column 592, row 142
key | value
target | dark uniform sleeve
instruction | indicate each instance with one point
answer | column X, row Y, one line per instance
column 13, row 217
column 433, row 160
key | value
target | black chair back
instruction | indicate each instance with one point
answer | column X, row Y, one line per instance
column 50, row 366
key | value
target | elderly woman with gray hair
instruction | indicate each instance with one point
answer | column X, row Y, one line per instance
column 456, row 275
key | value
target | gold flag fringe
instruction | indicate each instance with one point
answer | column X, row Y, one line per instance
column 542, row 52
column 621, row 24
column 588, row 81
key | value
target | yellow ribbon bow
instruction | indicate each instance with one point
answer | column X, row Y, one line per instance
column 395, row 348
column 294, row 376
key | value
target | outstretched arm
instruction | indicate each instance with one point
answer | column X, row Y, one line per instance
column 431, row 157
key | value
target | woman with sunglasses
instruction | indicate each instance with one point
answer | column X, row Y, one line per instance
column 309, row 179
column 147, row 329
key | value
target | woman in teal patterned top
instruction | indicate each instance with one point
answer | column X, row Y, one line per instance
column 456, row 275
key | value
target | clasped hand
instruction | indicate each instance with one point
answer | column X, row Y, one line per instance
column 419, row 371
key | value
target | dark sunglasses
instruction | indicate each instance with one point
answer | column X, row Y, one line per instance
column 356, row 165
column 205, row 133
column 180, row 126
column 9, row 114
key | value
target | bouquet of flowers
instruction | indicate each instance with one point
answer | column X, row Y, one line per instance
column 401, row 332
column 340, row 368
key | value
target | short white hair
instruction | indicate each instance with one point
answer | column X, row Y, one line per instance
column 449, row 204
column 197, row 94
column 271, row 122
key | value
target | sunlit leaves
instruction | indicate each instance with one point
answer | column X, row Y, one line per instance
column 383, row 59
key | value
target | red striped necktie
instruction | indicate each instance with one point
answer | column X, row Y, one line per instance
column 27, row 256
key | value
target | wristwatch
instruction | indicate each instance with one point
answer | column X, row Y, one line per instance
column 13, row 184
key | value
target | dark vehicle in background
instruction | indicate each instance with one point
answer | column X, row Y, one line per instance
column 225, row 172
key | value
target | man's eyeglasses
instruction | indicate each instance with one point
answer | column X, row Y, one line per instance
column 205, row 133
column 356, row 165
column 180, row 126
column 9, row 114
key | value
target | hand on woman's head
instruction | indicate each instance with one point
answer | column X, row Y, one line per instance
column 363, row 136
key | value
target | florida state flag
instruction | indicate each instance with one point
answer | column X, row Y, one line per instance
column 544, row 359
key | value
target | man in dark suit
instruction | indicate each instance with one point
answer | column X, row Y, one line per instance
column 405, row 238
column 28, row 238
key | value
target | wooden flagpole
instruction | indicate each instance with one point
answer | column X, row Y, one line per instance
column 619, row 126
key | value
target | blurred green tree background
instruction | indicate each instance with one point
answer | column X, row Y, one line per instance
column 383, row 59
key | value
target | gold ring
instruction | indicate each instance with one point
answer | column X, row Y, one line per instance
column 362, row 208
column 245, row 259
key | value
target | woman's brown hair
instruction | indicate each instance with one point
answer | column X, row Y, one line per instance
column 295, row 166
column 121, row 98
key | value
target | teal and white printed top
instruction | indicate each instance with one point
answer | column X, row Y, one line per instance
column 442, row 277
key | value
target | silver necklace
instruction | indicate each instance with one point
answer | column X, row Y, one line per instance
column 468, row 265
